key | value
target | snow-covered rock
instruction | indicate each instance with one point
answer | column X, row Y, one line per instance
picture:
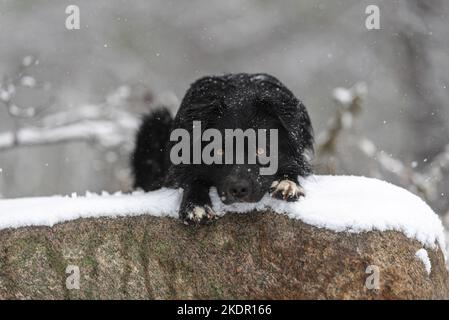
column 256, row 255
column 338, row 203
column 422, row 255
column 349, row 237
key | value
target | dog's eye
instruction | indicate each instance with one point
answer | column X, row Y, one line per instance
column 260, row 151
column 220, row 152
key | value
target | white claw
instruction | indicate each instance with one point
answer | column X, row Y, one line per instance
column 287, row 188
column 198, row 213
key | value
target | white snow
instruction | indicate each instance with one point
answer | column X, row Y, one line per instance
column 355, row 204
column 422, row 255
column 48, row 211
column 343, row 95
column 28, row 81
column 338, row 203
column 446, row 235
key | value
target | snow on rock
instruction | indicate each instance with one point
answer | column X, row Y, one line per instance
column 446, row 235
column 422, row 255
column 355, row 204
column 338, row 203
column 48, row 211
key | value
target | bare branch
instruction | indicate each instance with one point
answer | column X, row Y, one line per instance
column 414, row 181
column 440, row 164
column 106, row 124
column 9, row 86
column 349, row 104
column 106, row 133
column 424, row 183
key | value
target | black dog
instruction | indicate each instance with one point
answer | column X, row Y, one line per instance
column 244, row 101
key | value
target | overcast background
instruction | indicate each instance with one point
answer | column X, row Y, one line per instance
column 157, row 48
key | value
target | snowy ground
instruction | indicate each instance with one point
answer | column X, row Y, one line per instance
column 339, row 203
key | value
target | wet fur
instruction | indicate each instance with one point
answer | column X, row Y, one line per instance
column 226, row 102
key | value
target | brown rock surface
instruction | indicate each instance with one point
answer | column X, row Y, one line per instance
column 244, row 256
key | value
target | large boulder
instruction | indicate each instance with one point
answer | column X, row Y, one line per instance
column 258, row 255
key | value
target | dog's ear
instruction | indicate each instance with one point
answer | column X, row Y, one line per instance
column 293, row 116
column 278, row 100
column 296, row 121
column 203, row 101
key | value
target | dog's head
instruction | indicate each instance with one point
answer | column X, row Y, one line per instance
column 275, row 125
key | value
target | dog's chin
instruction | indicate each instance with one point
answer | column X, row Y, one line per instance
column 229, row 200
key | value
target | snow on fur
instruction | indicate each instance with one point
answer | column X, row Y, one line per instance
column 338, row 203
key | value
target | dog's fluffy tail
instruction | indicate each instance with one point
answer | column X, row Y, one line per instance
column 149, row 159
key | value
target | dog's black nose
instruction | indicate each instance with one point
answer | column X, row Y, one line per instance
column 239, row 189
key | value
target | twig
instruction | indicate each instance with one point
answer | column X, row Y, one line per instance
column 9, row 86
column 349, row 105
column 107, row 124
column 106, row 133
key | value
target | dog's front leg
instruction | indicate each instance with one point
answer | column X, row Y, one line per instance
column 196, row 207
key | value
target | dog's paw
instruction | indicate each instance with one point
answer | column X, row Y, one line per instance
column 199, row 215
column 286, row 190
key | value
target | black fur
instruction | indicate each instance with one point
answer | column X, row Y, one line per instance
column 148, row 161
column 257, row 101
